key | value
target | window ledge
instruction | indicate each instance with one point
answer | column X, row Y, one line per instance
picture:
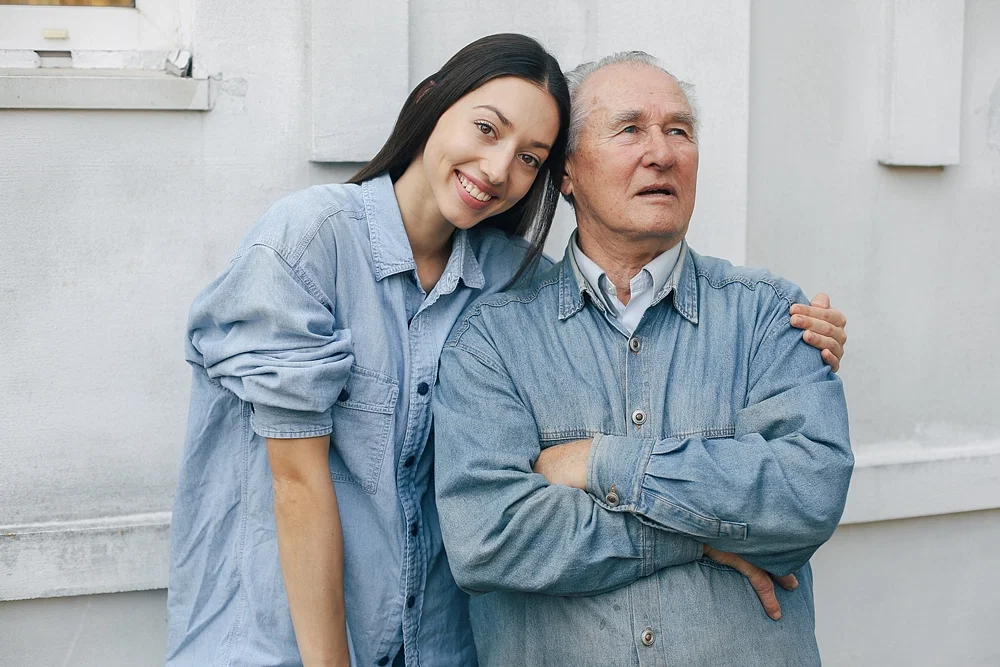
column 902, row 480
column 69, row 88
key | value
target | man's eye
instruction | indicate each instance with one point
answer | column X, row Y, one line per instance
column 631, row 129
column 485, row 128
column 677, row 131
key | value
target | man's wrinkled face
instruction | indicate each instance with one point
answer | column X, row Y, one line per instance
column 635, row 167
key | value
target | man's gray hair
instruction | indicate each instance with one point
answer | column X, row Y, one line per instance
column 578, row 75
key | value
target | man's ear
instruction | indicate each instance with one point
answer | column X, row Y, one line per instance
column 566, row 186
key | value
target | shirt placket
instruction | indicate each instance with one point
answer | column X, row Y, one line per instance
column 426, row 336
column 642, row 422
column 417, row 426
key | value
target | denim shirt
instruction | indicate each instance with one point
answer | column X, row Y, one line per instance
column 712, row 423
column 318, row 326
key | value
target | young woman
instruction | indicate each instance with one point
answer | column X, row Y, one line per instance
column 314, row 358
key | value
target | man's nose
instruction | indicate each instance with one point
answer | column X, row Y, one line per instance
column 660, row 150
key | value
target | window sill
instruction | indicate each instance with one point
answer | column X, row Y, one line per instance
column 68, row 88
column 913, row 479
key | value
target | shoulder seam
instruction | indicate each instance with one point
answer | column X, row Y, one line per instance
column 749, row 283
column 497, row 301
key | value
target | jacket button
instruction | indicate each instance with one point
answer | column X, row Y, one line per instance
column 344, row 395
column 410, row 460
column 384, row 660
column 423, row 388
column 638, row 417
column 634, row 344
column 410, row 601
column 612, row 497
column 414, row 529
column 648, row 637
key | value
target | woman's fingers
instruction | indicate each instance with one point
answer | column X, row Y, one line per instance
column 831, row 315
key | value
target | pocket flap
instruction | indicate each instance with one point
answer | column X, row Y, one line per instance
column 370, row 391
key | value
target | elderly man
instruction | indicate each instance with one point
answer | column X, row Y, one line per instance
column 617, row 432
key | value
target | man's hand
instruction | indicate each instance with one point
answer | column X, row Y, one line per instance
column 824, row 328
column 760, row 580
column 565, row 464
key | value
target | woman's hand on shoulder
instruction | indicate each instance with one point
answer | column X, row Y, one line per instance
column 824, row 328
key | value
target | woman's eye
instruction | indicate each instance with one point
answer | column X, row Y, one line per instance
column 530, row 160
column 485, row 128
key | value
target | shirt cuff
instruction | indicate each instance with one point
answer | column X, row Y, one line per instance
column 271, row 422
column 615, row 468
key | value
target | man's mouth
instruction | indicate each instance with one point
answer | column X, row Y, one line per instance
column 658, row 190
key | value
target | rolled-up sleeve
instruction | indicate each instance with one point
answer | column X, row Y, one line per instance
column 265, row 330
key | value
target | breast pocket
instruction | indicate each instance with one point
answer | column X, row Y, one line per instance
column 362, row 427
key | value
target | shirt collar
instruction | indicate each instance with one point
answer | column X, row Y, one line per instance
column 391, row 253
column 659, row 269
column 681, row 280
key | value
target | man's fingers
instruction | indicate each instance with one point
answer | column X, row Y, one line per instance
column 788, row 582
column 821, row 300
column 831, row 315
column 764, row 587
column 758, row 578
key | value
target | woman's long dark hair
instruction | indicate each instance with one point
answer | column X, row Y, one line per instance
column 506, row 54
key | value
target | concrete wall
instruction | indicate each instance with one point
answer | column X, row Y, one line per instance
column 110, row 222
column 909, row 253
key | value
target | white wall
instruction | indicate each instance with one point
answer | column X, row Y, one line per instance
column 908, row 253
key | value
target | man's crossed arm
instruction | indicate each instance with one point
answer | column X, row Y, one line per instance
column 509, row 529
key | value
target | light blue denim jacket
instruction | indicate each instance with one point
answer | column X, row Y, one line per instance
column 714, row 423
column 320, row 326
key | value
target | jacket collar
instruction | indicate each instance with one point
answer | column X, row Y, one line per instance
column 682, row 283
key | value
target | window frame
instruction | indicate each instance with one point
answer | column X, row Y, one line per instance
column 151, row 25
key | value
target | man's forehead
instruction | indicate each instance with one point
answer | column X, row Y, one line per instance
column 623, row 87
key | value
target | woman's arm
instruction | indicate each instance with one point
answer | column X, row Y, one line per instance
column 310, row 547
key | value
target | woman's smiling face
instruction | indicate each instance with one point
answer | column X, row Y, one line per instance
column 486, row 149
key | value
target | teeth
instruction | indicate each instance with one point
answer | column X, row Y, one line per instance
column 473, row 190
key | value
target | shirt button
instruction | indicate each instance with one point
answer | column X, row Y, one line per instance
column 410, row 460
column 612, row 497
column 410, row 601
column 634, row 344
column 384, row 660
column 344, row 395
column 648, row 637
column 413, row 529
column 422, row 388
column 638, row 417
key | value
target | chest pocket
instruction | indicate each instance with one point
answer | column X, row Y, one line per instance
column 362, row 427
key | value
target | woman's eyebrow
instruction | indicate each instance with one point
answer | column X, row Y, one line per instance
column 506, row 123
column 503, row 119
